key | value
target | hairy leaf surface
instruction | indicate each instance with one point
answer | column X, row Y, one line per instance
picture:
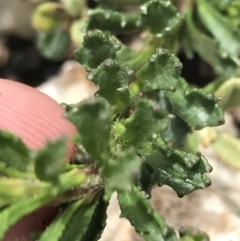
column 92, row 119
column 14, row 152
column 50, row 161
column 184, row 172
column 113, row 21
column 96, row 47
column 161, row 72
column 195, row 106
column 112, row 78
column 161, row 17
column 143, row 218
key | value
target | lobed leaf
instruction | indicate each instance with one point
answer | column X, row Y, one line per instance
column 184, row 172
column 161, row 17
column 141, row 125
column 113, row 21
column 14, row 152
column 96, row 47
column 195, row 106
column 112, row 79
column 92, row 119
column 121, row 172
column 161, row 72
column 143, row 217
column 50, row 161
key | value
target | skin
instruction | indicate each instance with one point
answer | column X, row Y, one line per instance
column 36, row 118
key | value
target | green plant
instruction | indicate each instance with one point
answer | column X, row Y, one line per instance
column 132, row 134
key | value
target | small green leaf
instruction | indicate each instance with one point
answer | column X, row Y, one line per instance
column 113, row 21
column 92, row 119
column 53, row 44
column 49, row 162
column 161, row 17
column 195, row 106
column 112, row 79
column 192, row 234
column 142, row 216
column 140, row 126
column 14, row 153
column 161, row 72
column 184, row 172
column 229, row 94
column 96, row 47
column 15, row 212
column 120, row 173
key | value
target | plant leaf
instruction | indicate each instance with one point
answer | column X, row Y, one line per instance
column 141, row 125
column 98, row 221
column 176, row 133
column 176, row 130
column 165, row 13
column 113, row 21
column 161, row 72
column 71, row 223
column 195, row 106
column 96, row 47
column 112, row 78
column 184, row 172
column 142, row 216
column 13, row 190
column 14, row 153
column 92, row 119
column 121, row 173
column 50, row 161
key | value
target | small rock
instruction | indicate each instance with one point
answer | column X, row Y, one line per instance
column 70, row 85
